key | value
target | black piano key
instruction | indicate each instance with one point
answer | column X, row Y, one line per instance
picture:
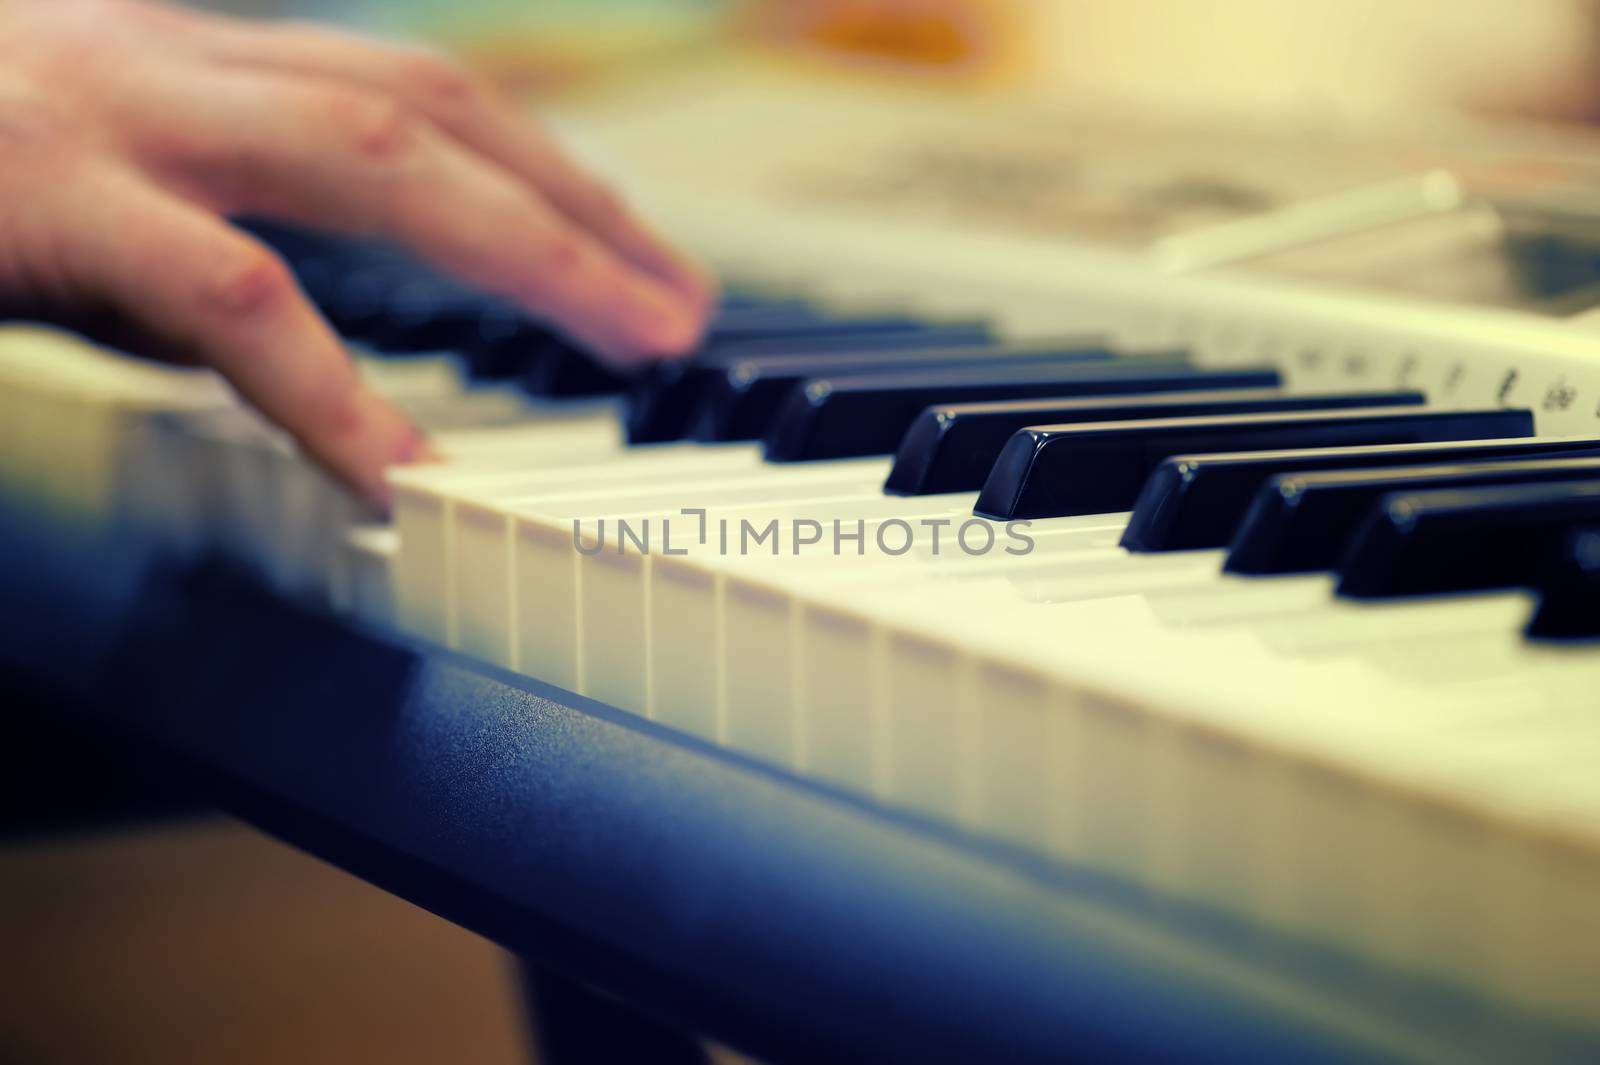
column 740, row 400
column 660, row 402
column 1054, row 471
column 969, row 332
column 557, row 369
column 751, row 323
column 1302, row 521
column 740, row 296
column 290, row 241
column 356, row 305
column 665, row 402
column 429, row 314
column 1195, row 500
column 1569, row 591
column 951, row 447
column 1461, row 540
column 661, row 397
column 843, row 417
column 508, row 342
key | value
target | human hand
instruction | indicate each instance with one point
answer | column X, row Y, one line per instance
column 130, row 128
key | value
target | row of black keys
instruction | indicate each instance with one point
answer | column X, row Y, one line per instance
column 1399, row 499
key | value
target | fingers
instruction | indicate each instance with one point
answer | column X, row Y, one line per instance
column 212, row 292
column 333, row 156
column 471, row 114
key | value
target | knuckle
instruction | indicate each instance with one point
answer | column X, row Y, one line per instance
column 247, row 282
column 376, row 128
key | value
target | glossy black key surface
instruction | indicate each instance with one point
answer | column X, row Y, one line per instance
column 737, row 296
column 1569, row 590
column 666, row 399
column 972, row 332
column 1054, row 471
column 1302, row 521
column 1430, row 543
column 740, row 400
column 772, row 320
column 428, row 314
column 827, row 418
column 951, row 447
column 1196, row 500
column 507, row 342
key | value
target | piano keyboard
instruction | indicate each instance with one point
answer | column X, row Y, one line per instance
column 1182, row 610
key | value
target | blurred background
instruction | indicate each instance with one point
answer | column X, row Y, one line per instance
column 187, row 937
column 1354, row 57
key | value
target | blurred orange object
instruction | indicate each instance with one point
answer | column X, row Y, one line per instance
column 960, row 37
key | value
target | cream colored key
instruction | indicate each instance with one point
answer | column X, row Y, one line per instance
column 368, row 574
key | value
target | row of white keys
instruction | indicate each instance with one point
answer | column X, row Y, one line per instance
column 71, row 417
column 1024, row 627
column 499, row 532
column 424, row 497
column 722, row 673
column 749, row 671
column 483, row 548
column 229, row 482
column 919, row 753
column 455, row 523
column 1127, row 791
column 585, row 627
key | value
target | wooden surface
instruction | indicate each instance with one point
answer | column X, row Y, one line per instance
column 208, row 942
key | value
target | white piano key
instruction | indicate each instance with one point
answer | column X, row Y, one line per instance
column 368, row 574
column 593, row 432
column 424, row 376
